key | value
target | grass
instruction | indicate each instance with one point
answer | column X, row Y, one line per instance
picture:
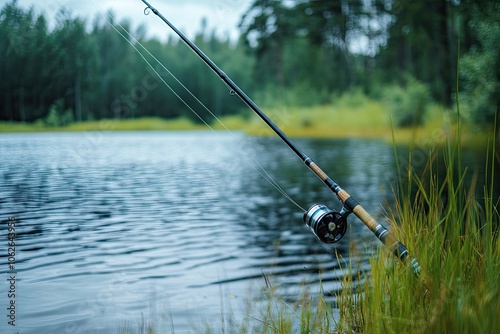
column 8, row 127
column 452, row 228
column 367, row 120
column 146, row 123
column 310, row 314
column 351, row 115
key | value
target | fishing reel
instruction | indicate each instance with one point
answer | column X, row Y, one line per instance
column 326, row 224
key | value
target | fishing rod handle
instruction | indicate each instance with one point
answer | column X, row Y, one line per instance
column 383, row 234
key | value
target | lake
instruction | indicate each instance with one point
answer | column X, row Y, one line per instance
column 176, row 228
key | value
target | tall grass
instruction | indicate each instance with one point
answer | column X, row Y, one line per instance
column 307, row 314
column 451, row 226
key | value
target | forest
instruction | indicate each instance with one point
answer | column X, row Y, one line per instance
column 300, row 53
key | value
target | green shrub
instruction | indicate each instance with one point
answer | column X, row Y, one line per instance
column 407, row 104
column 57, row 117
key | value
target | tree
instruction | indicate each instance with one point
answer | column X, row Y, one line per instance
column 71, row 57
column 268, row 25
column 16, row 39
column 481, row 66
column 419, row 45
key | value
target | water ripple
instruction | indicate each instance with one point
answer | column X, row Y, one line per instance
column 104, row 222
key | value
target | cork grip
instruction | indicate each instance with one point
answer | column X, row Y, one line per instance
column 343, row 195
column 359, row 211
column 365, row 217
column 389, row 240
column 322, row 175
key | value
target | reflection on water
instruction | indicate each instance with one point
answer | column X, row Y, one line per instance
column 113, row 225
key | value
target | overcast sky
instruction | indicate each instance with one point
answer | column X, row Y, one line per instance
column 186, row 15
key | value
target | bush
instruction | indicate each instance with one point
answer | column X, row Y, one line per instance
column 299, row 95
column 353, row 98
column 480, row 69
column 408, row 104
column 56, row 117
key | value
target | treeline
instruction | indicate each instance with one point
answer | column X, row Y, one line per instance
column 299, row 54
column 80, row 71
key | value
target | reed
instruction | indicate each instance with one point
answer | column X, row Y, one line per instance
column 309, row 313
column 451, row 226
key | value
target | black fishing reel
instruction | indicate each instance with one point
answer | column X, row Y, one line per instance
column 326, row 224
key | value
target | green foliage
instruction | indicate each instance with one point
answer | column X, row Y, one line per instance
column 408, row 104
column 303, row 45
column 480, row 68
column 353, row 99
column 422, row 43
column 57, row 117
column 361, row 43
column 97, row 74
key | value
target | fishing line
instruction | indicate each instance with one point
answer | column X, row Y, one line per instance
column 262, row 170
column 328, row 225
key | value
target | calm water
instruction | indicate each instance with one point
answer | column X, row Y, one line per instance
column 170, row 227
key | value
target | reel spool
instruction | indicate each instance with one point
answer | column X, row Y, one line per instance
column 326, row 224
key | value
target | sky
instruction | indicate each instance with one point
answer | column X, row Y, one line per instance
column 186, row 15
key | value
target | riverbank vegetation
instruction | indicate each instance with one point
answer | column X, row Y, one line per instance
column 450, row 221
column 350, row 115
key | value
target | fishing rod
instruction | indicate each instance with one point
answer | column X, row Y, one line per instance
column 326, row 224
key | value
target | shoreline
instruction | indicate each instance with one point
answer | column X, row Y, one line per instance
column 433, row 132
